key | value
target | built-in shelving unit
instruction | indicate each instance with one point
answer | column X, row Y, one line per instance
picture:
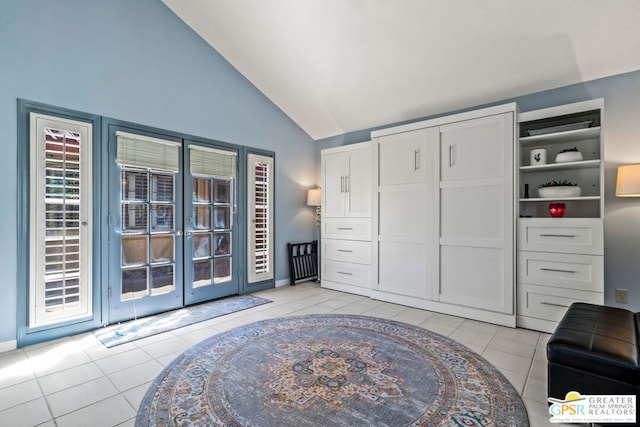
column 560, row 260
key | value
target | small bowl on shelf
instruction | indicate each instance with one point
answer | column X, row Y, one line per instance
column 559, row 192
column 569, row 156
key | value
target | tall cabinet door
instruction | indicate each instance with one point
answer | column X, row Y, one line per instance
column 335, row 167
column 404, row 158
column 477, row 213
column 407, row 222
column 358, row 183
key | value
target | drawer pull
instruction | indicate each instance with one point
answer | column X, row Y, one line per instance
column 558, row 235
column 344, row 250
column 554, row 304
column 557, row 270
column 345, row 228
column 345, row 273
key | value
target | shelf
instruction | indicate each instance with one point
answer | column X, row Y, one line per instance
column 562, row 137
column 562, row 199
column 583, row 164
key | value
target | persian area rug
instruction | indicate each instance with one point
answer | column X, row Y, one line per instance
column 330, row 370
column 141, row 328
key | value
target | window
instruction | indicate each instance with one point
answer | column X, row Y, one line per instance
column 60, row 287
column 260, row 208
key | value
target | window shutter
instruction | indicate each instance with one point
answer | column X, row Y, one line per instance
column 146, row 152
column 60, row 233
column 212, row 162
column 260, row 244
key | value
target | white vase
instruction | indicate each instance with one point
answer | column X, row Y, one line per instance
column 538, row 156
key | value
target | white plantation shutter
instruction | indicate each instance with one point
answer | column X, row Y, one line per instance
column 60, row 218
column 148, row 153
column 212, row 162
column 260, row 210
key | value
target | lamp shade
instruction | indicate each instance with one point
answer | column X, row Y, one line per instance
column 314, row 197
column 628, row 181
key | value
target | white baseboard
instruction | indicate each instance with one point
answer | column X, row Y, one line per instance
column 287, row 282
column 283, row 282
column 8, row 346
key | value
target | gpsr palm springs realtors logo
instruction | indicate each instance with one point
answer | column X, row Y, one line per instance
column 577, row 408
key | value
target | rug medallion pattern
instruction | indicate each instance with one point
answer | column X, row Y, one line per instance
column 330, row 370
column 334, row 372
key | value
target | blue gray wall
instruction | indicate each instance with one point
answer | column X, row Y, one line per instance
column 137, row 61
column 621, row 95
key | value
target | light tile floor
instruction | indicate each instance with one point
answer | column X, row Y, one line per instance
column 76, row 381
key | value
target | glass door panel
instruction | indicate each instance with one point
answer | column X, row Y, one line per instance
column 146, row 239
column 210, row 230
column 148, row 233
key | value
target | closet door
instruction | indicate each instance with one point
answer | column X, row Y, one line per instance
column 477, row 213
column 404, row 158
column 358, row 183
column 407, row 222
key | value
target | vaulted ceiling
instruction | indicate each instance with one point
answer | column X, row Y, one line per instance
column 336, row 66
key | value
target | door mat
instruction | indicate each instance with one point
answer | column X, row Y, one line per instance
column 121, row 333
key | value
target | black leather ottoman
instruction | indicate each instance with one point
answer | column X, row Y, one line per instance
column 594, row 350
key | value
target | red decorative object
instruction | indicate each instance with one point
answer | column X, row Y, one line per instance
column 557, row 210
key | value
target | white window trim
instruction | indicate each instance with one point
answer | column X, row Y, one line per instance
column 38, row 316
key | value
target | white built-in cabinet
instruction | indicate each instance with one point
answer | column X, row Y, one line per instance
column 444, row 215
column 346, row 190
column 560, row 260
column 346, row 251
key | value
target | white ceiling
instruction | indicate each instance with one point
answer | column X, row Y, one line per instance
column 336, row 66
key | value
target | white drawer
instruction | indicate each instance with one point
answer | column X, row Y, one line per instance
column 344, row 272
column 346, row 251
column 347, row 228
column 549, row 303
column 568, row 235
column 581, row 272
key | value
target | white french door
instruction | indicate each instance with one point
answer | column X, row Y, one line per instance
column 60, row 259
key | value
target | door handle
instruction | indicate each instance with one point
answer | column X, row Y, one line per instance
column 450, row 155
column 342, row 184
column 347, row 183
column 557, row 235
column 553, row 304
column 416, row 160
column 557, row 270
